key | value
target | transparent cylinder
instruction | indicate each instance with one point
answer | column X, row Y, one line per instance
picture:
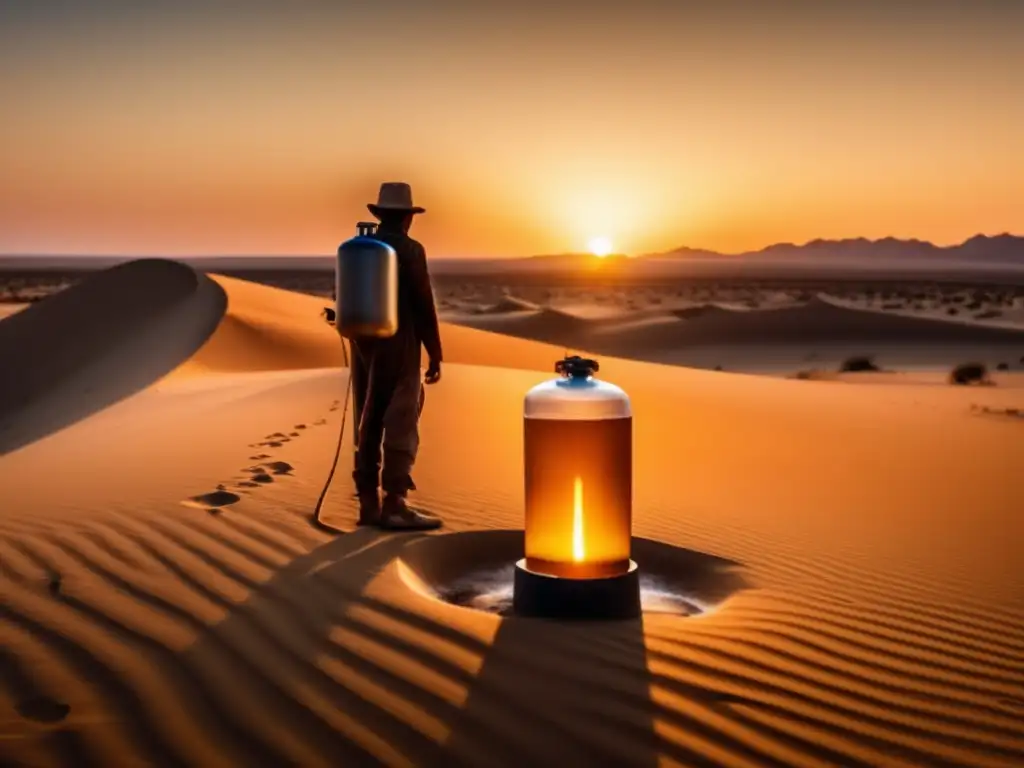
column 578, row 460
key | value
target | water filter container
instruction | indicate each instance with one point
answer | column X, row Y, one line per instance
column 578, row 462
column 366, row 286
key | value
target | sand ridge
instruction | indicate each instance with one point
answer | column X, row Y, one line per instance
column 98, row 342
column 877, row 527
column 816, row 323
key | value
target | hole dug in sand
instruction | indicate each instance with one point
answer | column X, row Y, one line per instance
column 474, row 569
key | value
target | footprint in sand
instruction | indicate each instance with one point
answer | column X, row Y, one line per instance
column 262, row 477
column 299, row 426
column 276, row 434
column 212, row 502
column 247, row 484
column 43, row 709
column 293, row 434
column 259, row 457
column 279, row 467
column 319, row 422
column 275, row 443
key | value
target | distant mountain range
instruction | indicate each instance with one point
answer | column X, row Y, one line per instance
column 996, row 249
column 981, row 252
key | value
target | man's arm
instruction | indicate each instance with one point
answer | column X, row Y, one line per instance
column 426, row 311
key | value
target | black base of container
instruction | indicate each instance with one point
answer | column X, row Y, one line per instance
column 541, row 596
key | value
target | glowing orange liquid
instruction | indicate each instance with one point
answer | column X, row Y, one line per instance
column 579, row 487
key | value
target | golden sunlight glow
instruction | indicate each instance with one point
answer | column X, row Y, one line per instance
column 557, row 540
column 600, row 246
column 578, row 551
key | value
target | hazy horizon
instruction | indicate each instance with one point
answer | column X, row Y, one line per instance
column 177, row 129
column 328, row 255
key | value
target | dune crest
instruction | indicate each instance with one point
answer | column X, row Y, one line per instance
column 267, row 329
column 507, row 304
column 100, row 341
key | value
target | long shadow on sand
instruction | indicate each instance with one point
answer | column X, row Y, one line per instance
column 571, row 693
column 365, row 679
column 274, row 645
column 341, row 657
column 99, row 341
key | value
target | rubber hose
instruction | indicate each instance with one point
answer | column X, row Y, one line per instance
column 316, row 521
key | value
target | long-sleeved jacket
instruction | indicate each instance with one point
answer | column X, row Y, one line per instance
column 416, row 306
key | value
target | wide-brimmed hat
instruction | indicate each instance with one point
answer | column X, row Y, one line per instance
column 394, row 196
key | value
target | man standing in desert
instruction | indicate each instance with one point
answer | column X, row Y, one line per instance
column 386, row 380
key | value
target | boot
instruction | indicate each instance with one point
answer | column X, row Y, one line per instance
column 396, row 515
column 369, row 508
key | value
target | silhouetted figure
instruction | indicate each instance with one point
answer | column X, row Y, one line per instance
column 386, row 384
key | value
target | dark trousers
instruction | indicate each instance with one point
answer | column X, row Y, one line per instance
column 388, row 397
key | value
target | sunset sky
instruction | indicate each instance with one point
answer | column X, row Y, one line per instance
column 181, row 128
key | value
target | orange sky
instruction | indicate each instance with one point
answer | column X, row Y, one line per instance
column 171, row 129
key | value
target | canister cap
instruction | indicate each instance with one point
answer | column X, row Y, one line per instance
column 576, row 394
column 576, row 367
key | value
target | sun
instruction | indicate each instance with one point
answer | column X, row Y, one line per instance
column 600, row 246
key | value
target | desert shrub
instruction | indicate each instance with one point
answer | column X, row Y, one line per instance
column 969, row 373
column 805, row 375
column 952, row 311
column 858, row 364
column 1003, row 367
column 988, row 315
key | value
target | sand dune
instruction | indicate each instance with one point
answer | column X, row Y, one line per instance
column 546, row 324
column 98, row 342
column 267, row 329
column 507, row 304
column 815, row 325
column 699, row 311
column 816, row 322
column 165, row 600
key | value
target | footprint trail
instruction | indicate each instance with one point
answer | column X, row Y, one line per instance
column 256, row 475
